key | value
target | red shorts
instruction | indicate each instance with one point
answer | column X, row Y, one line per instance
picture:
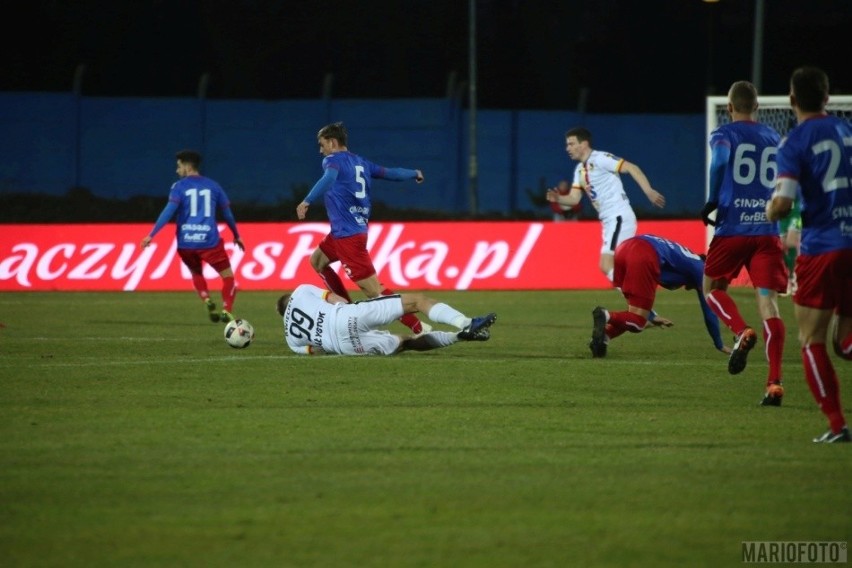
column 637, row 272
column 762, row 257
column 825, row 281
column 215, row 257
column 352, row 254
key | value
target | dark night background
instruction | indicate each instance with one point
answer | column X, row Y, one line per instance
column 660, row 56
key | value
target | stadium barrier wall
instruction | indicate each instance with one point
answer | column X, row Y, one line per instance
column 407, row 256
column 265, row 151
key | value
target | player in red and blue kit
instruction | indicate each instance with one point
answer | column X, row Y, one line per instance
column 196, row 200
column 345, row 185
column 815, row 163
column 641, row 264
column 742, row 173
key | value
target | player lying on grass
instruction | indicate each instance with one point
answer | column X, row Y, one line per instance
column 318, row 321
column 641, row 264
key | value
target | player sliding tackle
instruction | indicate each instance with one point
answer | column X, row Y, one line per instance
column 318, row 322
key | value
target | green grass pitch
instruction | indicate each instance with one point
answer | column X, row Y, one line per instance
column 132, row 435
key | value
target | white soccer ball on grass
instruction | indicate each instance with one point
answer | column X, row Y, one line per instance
column 239, row 333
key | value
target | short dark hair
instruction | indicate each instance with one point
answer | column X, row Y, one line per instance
column 281, row 304
column 335, row 131
column 580, row 133
column 743, row 97
column 810, row 87
column 190, row 157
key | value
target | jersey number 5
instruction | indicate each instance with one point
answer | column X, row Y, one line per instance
column 359, row 177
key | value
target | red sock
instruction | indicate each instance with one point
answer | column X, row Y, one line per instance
column 726, row 310
column 774, row 334
column 408, row 320
column 229, row 292
column 822, row 380
column 333, row 283
column 200, row 285
column 619, row 322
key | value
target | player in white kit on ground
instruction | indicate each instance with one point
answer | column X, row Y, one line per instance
column 318, row 321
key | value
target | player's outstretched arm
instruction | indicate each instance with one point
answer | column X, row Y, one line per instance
column 302, row 209
column 165, row 216
column 571, row 198
column 400, row 174
column 228, row 215
column 711, row 322
column 320, row 187
column 718, row 164
column 654, row 196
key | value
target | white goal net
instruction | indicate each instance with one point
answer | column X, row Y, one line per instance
column 774, row 110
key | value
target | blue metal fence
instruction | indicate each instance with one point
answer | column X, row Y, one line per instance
column 265, row 151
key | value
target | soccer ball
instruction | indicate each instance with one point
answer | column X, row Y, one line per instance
column 239, row 333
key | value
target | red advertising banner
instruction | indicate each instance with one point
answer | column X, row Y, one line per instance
column 481, row 255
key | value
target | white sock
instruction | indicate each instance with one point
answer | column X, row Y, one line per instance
column 442, row 313
column 443, row 338
column 610, row 274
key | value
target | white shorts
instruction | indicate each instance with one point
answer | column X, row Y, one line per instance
column 616, row 230
column 356, row 326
